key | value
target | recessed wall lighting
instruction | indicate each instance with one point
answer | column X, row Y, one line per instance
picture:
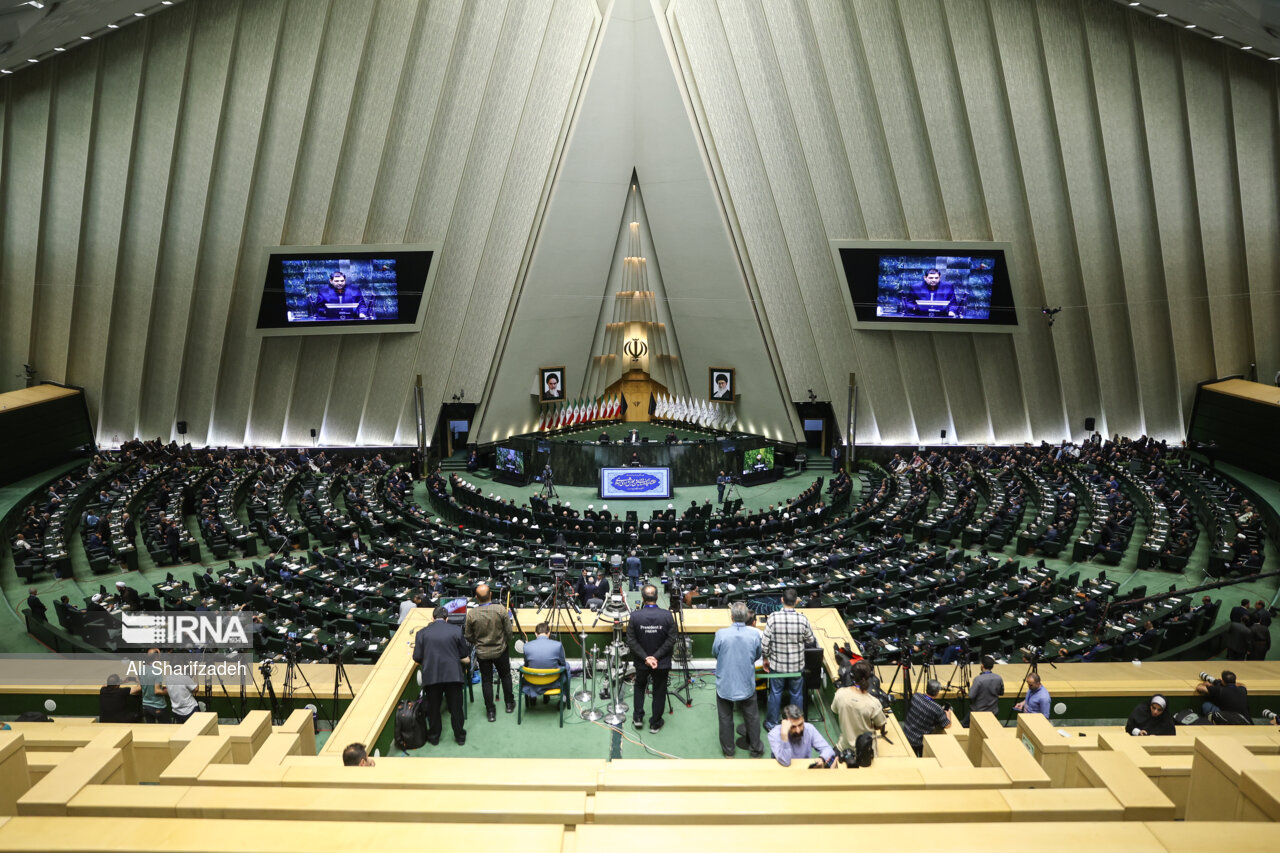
column 1189, row 27
column 1246, row 47
column 1162, row 15
column 139, row 14
column 113, row 26
column 86, row 38
column 60, row 49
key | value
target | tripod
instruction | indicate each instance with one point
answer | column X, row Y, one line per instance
column 277, row 717
column 683, row 643
column 211, row 672
column 548, row 489
column 339, row 675
column 559, row 603
column 292, row 672
column 963, row 668
column 617, row 651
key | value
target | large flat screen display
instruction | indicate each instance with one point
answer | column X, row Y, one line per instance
column 619, row 483
column 755, row 461
column 951, row 285
column 509, row 460
column 351, row 289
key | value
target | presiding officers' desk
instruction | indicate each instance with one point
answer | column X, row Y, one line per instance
column 691, row 462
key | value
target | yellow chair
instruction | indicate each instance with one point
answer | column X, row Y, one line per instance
column 558, row 676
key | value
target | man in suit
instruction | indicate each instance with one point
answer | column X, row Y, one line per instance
column 37, row 607
column 488, row 630
column 931, row 297
column 542, row 653
column 651, row 636
column 440, row 652
column 339, row 292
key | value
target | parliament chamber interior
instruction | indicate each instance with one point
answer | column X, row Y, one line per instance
column 667, row 397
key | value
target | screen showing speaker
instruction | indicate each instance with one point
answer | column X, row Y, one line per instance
column 953, row 286
column 618, row 483
column 327, row 292
column 757, row 460
column 509, row 460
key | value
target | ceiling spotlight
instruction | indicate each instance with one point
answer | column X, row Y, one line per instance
column 139, row 14
column 1246, row 47
column 1134, row 3
column 166, row 2
column 60, row 49
column 5, row 71
column 113, row 26
column 33, row 60
column 1273, row 58
column 1215, row 38
column 35, row 4
column 1189, row 27
column 86, row 38
column 1162, row 15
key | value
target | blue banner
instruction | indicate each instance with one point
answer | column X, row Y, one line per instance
column 620, row 483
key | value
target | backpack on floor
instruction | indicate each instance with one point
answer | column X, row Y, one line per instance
column 410, row 725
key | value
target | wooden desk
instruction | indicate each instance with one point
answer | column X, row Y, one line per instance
column 1141, row 798
column 180, row 835
column 331, row 804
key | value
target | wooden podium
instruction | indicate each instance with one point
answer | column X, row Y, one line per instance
column 636, row 387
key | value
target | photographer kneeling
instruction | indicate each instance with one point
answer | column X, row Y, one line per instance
column 1226, row 701
column 926, row 714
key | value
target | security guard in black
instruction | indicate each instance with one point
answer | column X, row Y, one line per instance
column 651, row 635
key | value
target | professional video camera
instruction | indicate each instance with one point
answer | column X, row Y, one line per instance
column 862, row 753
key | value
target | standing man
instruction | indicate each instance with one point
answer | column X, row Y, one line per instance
column 793, row 739
column 37, row 607
column 721, row 482
column 651, row 635
column 785, row 637
column 488, row 630
column 633, row 571
column 859, row 712
column 925, row 715
column 154, row 709
column 1037, row 701
column 736, row 650
column 986, row 689
column 181, row 690
column 441, row 652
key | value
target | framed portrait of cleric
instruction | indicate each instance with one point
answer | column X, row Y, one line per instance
column 550, row 384
column 721, row 384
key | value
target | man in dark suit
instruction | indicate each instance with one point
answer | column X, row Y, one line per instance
column 173, row 542
column 441, row 652
column 651, row 636
column 37, row 607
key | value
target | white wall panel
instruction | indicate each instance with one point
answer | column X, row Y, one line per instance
column 59, row 242
column 195, row 147
column 1131, row 164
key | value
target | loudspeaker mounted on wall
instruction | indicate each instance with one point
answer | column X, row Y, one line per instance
column 182, row 427
column 1088, row 424
column 944, row 435
column 313, row 432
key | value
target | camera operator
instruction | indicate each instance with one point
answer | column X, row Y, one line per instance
column 651, row 636
column 793, row 739
column 857, row 709
column 986, row 689
column 1224, row 696
column 926, row 714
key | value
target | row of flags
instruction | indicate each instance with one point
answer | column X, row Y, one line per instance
column 584, row 410
column 609, row 407
column 704, row 413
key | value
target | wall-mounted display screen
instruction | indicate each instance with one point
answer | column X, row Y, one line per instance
column 335, row 291
column 510, row 460
column 617, row 483
column 954, row 285
column 757, row 460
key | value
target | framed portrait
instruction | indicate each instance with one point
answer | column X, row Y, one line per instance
column 551, row 384
column 721, row 384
